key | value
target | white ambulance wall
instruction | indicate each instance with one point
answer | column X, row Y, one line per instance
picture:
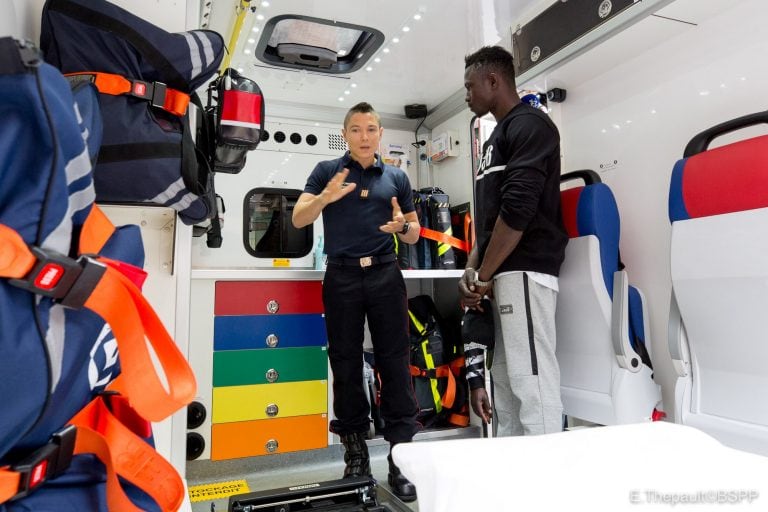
column 454, row 173
column 277, row 165
column 9, row 21
column 25, row 23
column 631, row 121
column 171, row 15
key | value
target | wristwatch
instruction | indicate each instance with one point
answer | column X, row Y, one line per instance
column 406, row 228
column 478, row 282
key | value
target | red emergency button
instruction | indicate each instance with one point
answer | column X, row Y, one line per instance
column 49, row 276
column 38, row 473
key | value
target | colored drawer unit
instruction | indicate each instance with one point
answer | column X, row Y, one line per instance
column 268, row 297
column 268, row 331
column 263, row 401
column 243, row 367
column 270, row 369
column 266, row 437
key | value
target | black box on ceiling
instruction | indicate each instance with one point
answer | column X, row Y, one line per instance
column 416, row 111
column 558, row 26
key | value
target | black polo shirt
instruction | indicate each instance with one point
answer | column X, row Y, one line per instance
column 351, row 224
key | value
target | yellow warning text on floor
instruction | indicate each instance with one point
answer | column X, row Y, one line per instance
column 218, row 490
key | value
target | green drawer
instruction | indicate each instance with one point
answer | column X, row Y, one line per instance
column 241, row 367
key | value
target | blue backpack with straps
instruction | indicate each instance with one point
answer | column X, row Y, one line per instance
column 72, row 385
column 145, row 77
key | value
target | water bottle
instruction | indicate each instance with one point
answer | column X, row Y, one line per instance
column 319, row 254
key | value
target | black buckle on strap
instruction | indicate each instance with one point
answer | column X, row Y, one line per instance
column 70, row 282
column 47, row 462
column 154, row 92
column 17, row 57
column 158, row 94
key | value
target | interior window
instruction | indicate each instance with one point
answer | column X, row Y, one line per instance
column 267, row 228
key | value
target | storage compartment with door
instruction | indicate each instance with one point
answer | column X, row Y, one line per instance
column 270, row 369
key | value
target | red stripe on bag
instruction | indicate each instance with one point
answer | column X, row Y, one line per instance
column 241, row 106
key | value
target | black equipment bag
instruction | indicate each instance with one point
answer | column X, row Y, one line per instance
column 423, row 246
column 438, row 206
column 437, row 366
column 145, row 76
column 461, row 224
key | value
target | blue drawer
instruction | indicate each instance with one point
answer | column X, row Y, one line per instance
column 253, row 331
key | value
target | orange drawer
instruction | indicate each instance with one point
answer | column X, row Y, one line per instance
column 265, row 437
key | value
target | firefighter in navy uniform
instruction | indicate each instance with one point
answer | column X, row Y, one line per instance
column 364, row 202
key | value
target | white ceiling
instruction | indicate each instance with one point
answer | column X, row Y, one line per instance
column 426, row 66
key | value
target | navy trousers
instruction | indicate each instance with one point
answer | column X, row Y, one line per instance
column 350, row 294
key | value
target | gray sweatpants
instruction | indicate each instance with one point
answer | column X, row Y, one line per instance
column 525, row 373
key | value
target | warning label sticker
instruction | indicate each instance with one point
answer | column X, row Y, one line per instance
column 218, row 490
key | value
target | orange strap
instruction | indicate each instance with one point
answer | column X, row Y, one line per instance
column 96, row 230
column 119, row 302
column 125, row 454
column 439, row 236
column 449, row 396
column 9, row 484
column 160, row 95
column 108, row 435
column 469, row 232
column 461, row 418
column 133, row 321
column 116, row 299
column 15, row 259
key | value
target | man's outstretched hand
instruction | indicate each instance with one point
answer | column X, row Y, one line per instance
column 398, row 220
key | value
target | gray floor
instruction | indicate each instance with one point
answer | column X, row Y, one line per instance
column 289, row 469
column 264, row 473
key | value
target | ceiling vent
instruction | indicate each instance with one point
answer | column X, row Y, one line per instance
column 300, row 42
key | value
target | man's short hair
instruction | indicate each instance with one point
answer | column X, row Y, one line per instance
column 362, row 108
column 493, row 58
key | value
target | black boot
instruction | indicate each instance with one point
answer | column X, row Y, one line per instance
column 401, row 486
column 356, row 456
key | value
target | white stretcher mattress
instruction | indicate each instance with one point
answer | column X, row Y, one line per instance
column 604, row 468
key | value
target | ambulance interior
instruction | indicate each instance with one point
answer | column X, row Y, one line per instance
column 628, row 86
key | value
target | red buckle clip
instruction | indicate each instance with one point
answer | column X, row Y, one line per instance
column 68, row 281
column 47, row 462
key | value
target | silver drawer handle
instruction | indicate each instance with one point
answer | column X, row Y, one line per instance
column 272, row 340
column 272, row 375
column 273, row 306
column 271, row 446
column 272, row 410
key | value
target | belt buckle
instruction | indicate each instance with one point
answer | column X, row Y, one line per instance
column 66, row 280
column 366, row 261
column 45, row 463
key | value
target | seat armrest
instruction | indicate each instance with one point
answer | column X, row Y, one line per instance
column 676, row 338
column 625, row 354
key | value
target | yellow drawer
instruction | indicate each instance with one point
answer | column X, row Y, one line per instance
column 266, row 437
column 263, row 401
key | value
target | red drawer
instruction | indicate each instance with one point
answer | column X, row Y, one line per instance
column 268, row 297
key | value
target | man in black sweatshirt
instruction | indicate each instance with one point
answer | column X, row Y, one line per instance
column 520, row 246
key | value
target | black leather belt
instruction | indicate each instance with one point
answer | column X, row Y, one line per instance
column 365, row 261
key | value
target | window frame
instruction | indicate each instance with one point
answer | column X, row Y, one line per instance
column 291, row 194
